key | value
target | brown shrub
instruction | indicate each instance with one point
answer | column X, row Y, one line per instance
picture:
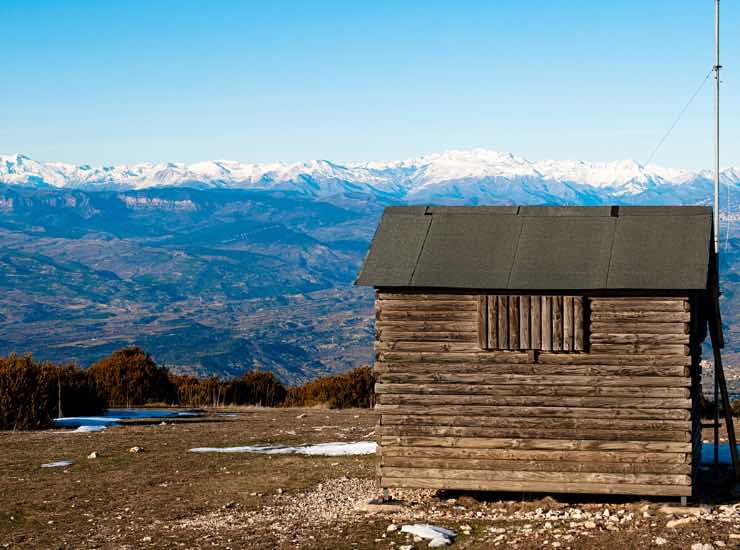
column 33, row 394
column 255, row 388
column 351, row 389
column 129, row 377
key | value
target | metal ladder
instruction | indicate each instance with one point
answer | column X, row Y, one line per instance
column 715, row 331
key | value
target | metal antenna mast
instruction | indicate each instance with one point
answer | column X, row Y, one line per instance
column 716, row 69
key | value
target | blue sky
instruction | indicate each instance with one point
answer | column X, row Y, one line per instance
column 111, row 82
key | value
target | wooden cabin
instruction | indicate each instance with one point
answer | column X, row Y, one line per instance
column 541, row 349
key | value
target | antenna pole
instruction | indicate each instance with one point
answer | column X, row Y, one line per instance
column 716, row 69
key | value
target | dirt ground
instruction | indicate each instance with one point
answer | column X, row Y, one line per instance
column 167, row 497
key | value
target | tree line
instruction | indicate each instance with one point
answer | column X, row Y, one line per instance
column 33, row 393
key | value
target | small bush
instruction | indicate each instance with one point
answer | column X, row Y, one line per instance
column 33, row 394
column 255, row 388
column 352, row 389
column 198, row 392
column 129, row 377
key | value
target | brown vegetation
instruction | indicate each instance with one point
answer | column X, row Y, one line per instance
column 32, row 394
column 253, row 388
column 352, row 389
column 129, row 377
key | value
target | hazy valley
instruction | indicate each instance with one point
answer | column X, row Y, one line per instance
column 218, row 270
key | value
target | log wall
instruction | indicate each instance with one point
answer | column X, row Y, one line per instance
column 614, row 418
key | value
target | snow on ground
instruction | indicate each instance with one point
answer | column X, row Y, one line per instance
column 113, row 417
column 437, row 536
column 57, row 464
column 89, row 429
column 320, row 449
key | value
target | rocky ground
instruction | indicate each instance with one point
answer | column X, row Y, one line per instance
column 165, row 497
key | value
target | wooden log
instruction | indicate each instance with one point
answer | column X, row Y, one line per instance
column 532, row 422
column 621, row 338
column 534, row 444
column 578, row 335
column 535, row 465
column 568, row 323
column 525, row 341
column 557, row 323
column 455, row 379
column 532, row 476
column 503, row 322
column 407, row 315
column 534, row 369
column 385, row 334
column 531, row 433
column 601, row 304
column 534, row 401
column 406, row 345
column 492, row 322
column 482, row 322
column 433, row 326
column 629, row 327
column 535, row 312
column 454, row 453
column 537, row 487
column 514, row 322
column 386, row 296
column 641, row 316
column 546, row 323
column 666, row 349
column 535, row 412
column 609, row 358
column 640, row 298
column 428, row 305
column 530, row 390
column 491, row 357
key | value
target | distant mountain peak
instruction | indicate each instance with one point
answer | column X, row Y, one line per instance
column 469, row 176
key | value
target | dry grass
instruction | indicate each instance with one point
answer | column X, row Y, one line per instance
column 168, row 497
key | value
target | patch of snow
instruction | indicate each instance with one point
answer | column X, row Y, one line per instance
column 113, row 417
column 86, row 423
column 57, row 464
column 320, row 449
column 89, row 429
column 437, row 536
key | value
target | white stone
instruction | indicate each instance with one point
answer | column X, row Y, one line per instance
column 660, row 541
column 684, row 510
column 678, row 522
column 439, row 536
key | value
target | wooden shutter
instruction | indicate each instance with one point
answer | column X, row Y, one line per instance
column 524, row 322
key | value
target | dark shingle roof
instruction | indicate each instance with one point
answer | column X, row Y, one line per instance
column 541, row 248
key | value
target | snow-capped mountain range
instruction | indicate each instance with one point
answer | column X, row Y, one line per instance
column 470, row 177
